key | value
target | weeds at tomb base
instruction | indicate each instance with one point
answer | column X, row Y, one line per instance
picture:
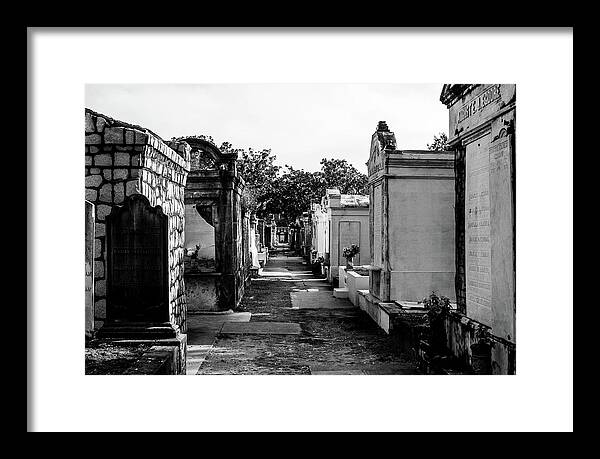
column 425, row 340
column 431, row 341
column 437, row 306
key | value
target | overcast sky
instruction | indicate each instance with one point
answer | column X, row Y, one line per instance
column 301, row 123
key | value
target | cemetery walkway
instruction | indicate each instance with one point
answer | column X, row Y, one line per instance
column 290, row 323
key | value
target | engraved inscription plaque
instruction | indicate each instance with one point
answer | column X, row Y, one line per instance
column 477, row 234
column 502, row 238
column 137, row 277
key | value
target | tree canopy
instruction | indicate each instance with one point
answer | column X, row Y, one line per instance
column 440, row 142
column 261, row 175
column 271, row 189
column 338, row 173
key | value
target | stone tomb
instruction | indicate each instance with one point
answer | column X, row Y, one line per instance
column 136, row 182
column 216, row 235
column 306, row 237
column 482, row 130
column 253, row 246
column 260, row 233
column 319, row 231
column 349, row 224
column 412, row 217
column 482, row 133
column 123, row 160
column 269, row 232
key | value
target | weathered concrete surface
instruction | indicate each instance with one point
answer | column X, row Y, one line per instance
column 260, row 328
column 397, row 369
column 356, row 282
column 204, row 328
column 158, row 360
column 337, row 341
column 136, row 356
column 318, row 299
column 202, row 333
column 107, row 358
column 202, row 292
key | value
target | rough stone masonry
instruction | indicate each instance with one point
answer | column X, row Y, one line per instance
column 122, row 159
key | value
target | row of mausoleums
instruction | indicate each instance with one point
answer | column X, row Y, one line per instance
column 440, row 222
column 167, row 233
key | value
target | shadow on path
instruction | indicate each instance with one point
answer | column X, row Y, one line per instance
column 310, row 331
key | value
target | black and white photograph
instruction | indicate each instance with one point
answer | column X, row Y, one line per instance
column 373, row 231
column 306, row 238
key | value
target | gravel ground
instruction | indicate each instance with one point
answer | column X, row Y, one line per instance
column 108, row 359
column 343, row 339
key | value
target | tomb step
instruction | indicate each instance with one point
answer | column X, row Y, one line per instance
column 340, row 292
column 137, row 332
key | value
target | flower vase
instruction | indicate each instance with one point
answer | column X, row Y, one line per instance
column 349, row 263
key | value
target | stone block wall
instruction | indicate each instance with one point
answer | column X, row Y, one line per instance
column 122, row 159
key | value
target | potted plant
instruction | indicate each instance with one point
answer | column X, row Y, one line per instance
column 481, row 351
column 349, row 253
column 438, row 307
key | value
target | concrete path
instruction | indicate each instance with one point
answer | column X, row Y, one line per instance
column 202, row 334
column 320, row 299
column 260, row 328
column 290, row 323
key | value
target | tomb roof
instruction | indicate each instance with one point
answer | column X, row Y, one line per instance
column 112, row 122
column 179, row 148
column 452, row 92
column 423, row 154
column 354, row 200
column 206, row 155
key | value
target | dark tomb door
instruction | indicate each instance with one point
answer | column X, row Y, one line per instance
column 137, row 277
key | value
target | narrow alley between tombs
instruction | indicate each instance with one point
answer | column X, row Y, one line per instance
column 289, row 322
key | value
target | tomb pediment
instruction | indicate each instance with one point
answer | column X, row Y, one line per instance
column 382, row 141
column 205, row 155
column 472, row 107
